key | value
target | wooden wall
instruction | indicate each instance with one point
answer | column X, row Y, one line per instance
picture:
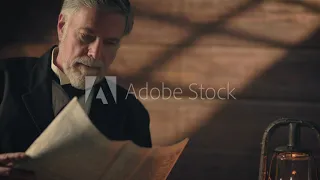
column 268, row 51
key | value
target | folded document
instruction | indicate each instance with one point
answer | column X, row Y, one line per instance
column 71, row 148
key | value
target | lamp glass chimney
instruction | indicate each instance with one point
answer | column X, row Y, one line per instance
column 293, row 166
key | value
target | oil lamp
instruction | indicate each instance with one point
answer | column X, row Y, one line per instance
column 292, row 162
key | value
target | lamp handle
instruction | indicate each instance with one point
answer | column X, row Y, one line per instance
column 268, row 133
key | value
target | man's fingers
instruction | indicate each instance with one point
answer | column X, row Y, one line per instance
column 11, row 157
column 5, row 171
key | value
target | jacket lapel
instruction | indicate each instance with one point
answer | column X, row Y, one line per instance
column 38, row 99
column 107, row 118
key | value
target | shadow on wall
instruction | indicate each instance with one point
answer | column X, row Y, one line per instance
column 290, row 88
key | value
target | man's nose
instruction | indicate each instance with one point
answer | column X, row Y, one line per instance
column 95, row 49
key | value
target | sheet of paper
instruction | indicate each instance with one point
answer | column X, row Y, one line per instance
column 159, row 162
column 71, row 148
column 136, row 163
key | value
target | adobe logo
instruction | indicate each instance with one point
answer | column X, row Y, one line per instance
column 112, row 82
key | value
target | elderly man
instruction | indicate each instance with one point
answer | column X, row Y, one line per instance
column 89, row 33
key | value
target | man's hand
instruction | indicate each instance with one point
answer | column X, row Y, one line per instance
column 7, row 172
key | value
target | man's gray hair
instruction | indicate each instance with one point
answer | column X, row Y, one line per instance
column 123, row 6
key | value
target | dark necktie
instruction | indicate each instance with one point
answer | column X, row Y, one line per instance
column 72, row 91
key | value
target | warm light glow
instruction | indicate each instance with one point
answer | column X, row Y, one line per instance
column 294, row 155
column 292, row 166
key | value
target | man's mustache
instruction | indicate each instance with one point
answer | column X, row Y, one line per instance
column 90, row 62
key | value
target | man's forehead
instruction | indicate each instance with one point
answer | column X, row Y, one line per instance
column 91, row 31
column 95, row 21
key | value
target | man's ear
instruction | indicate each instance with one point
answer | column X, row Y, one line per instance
column 61, row 26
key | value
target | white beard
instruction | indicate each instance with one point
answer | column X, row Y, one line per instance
column 77, row 73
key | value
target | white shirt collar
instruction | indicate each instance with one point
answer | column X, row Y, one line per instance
column 62, row 77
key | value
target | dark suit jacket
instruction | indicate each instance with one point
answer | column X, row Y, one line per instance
column 26, row 106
